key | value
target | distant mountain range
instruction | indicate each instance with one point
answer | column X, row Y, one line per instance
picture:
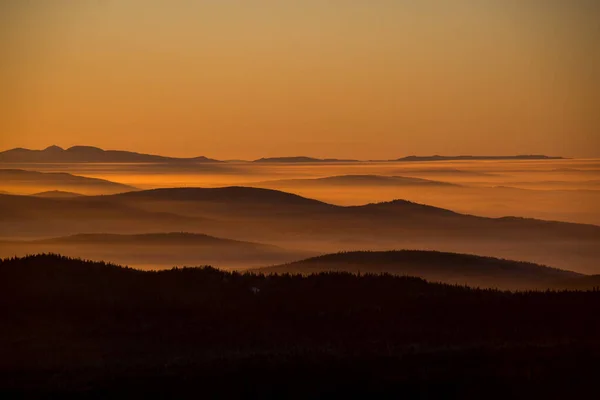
column 474, row 158
column 88, row 154
column 304, row 159
column 355, row 180
column 301, row 159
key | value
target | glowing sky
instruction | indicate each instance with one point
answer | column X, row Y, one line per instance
column 325, row 78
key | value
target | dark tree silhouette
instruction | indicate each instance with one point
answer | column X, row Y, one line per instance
column 74, row 326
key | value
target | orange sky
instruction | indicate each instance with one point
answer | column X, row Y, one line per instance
column 326, row 78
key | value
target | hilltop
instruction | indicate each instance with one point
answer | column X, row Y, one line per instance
column 452, row 268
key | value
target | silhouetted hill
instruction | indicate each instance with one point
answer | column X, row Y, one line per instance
column 435, row 266
column 452, row 172
column 100, row 330
column 158, row 239
column 356, row 180
column 157, row 250
column 291, row 221
column 42, row 216
column 404, row 207
column 232, row 195
column 57, row 194
column 87, row 154
column 18, row 179
column 301, row 159
column 469, row 158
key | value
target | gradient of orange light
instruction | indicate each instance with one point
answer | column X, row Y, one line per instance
column 233, row 79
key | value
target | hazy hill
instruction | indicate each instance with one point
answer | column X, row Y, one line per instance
column 587, row 282
column 158, row 239
column 462, row 269
column 225, row 201
column 300, row 159
column 87, row 154
column 356, row 180
column 98, row 329
column 450, row 172
column 18, row 180
column 291, row 221
column 157, row 250
column 31, row 216
column 469, row 158
column 230, row 194
column 57, row 194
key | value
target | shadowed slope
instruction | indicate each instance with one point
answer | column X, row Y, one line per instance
column 154, row 239
column 228, row 203
column 54, row 194
column 451, row 268
column 292, row 221
column 41, row 216
column 90, row 328
column 468, row 158
column 157, row 250
column 231, row 194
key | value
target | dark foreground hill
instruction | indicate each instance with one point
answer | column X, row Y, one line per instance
column 452, row 268
column 86, row 328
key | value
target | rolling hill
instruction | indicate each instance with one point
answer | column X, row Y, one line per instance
column 31, row 216
column 18, row 180
column 157, row 250
column 230, row 195
column 291, row 221
column 355, row 180
column 57, row 194
column 452, row 268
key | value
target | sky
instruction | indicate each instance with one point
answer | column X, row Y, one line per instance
column 246, row 79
